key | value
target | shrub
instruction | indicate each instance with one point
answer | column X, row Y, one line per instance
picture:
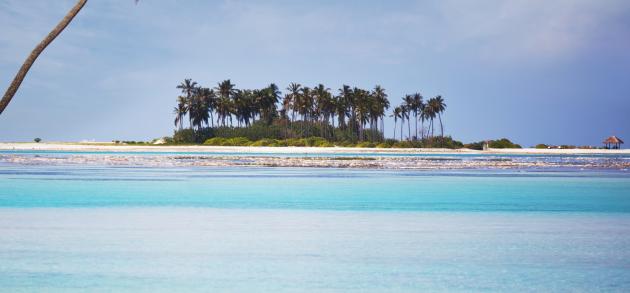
column 403, row 144
column 215, row 141
column 365, row 144
column 296, row 142
column 325, row 145
column 37, row 139
column 475, row 145
column 190, row 136
column 265, row 142
column 541, row 146
column 185, row 136
column 503, row 143
column 168, row 140
column 238, row 141
column 441, row 142
column 315, row 141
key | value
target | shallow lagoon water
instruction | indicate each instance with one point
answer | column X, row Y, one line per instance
column 99, row 228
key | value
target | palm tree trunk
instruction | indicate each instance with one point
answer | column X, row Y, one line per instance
column 441, row 126
column 422, row 128
column 19, row 77
column 394, row 129
column 383, row 127
column 402, row 122
column 409, row 128
column 416, row 120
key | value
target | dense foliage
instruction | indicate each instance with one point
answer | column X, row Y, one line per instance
column 304, row 116
column 354, row 114
column 321, row 142
column 503, row 143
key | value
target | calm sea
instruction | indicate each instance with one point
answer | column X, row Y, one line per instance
column 103, row 228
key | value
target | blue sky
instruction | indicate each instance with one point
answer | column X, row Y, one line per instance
column 531, row 70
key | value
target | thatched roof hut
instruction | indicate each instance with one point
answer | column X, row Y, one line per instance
column 613, row 142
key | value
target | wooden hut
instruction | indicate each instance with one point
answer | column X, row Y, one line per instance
column 613, row 142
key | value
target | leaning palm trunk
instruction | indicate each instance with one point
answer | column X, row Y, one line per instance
column 19, row 77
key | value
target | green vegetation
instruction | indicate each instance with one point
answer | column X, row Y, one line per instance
column 264, row 113
column 503, row 143
column 304, row 116
column 131, row 142
column 321, row 142
column 354, row 116
column 541, row 146
column 37, row 139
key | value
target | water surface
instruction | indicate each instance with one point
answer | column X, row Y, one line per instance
column 102, row 228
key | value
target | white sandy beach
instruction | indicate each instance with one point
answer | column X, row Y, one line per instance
column 109, row 147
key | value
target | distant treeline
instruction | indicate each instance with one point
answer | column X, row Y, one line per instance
column 353, row 114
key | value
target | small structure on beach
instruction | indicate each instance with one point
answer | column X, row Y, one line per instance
column 613, row 142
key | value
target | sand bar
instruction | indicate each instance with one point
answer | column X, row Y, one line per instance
column 336, row 157
column 109, row 147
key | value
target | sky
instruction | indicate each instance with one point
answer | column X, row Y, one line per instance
column 534, row 71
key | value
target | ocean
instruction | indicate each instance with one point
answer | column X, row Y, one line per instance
column 257, row 229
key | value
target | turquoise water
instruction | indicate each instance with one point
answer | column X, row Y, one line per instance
column 319, row 189
column 98, row 228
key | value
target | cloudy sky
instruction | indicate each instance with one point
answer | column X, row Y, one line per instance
column 531, row 70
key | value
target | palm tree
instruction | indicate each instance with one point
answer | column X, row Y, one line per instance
column 417, row 105
column 189, row 88
column 347, row 95
column 180, row 111
column 293, row 95
column 209, row 99
column 341, row 110
column 410, row 104
column 30, row 60
column 322, row 106
column 362, row 108
column 429, row 113
column 223, row 109
column 381, row 104
column 404, row 115
column 439, row 107
column 267, row 101
column 397, row 113
column 198, row 112
column 305, row 103
column 286, row 106
column 243, row 106
column 226, row 90
column 423, row 117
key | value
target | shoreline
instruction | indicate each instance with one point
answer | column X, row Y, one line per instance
column 106, row 147
column 311, row 157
